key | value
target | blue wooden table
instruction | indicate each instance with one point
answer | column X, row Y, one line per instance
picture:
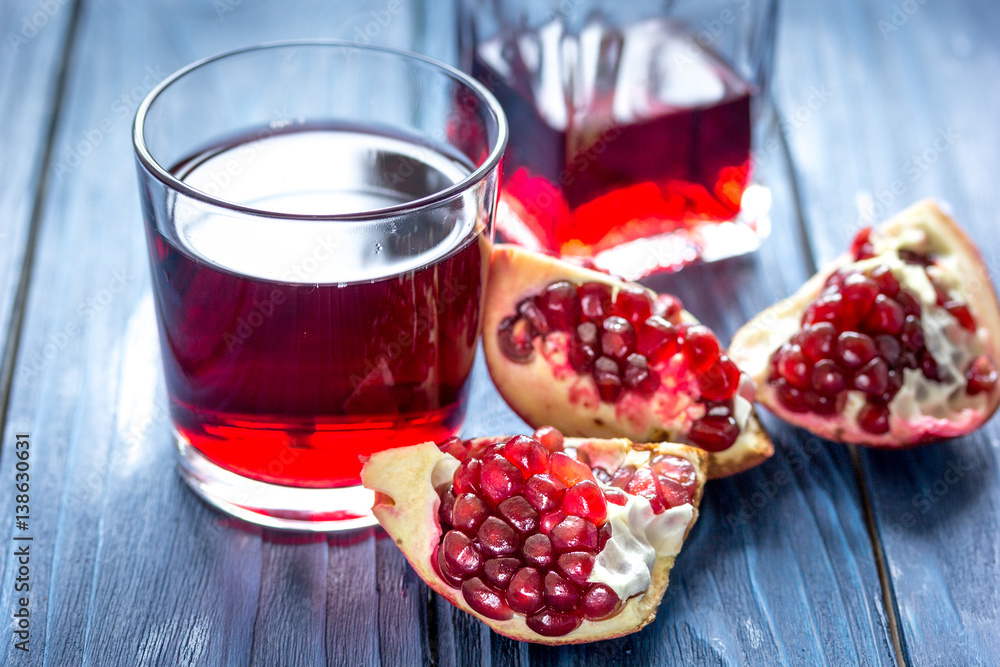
column 824, row 555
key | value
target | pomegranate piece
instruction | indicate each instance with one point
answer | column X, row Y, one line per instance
column 609, row 358
column 898, row 324
column 525, row 594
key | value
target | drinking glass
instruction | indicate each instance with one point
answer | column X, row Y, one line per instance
column 319, row 219
column 633, row 125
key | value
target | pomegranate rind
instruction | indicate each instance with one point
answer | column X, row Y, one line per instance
column 406, row 481
column 936, row 232
column 547, row 391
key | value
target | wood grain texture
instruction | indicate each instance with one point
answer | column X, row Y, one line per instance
column 910, row 115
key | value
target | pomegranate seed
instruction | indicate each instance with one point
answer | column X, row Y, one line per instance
column 615, row 496
column 827, row 377
column 793, row 399
column 817, row 341
column 929, row 366
column 538, row 550
column 576, row 566
column 912, row 335
column 657, row 339
column 861, row 246
column 581, row 357
column 638, row 377
column 642, row 484
column 599, row 601
column 671, row 493
column 447, row 508
column 524, row 595
column 855, row 349
column 466, row 477
column 617, row 338
column 453, row 446
column 633, row 303
column 720, row 381
column 460, row 556
column 574, row 534
column 887, row 283
column 821, row 405
column 794, row 367
column 500, row 479
column 520, row 514
column 960, row 311
column 469, row 513
column 561, row 306
column 544, row 492
column 550, row 437
column 889, row 349
column 560, row 594
column 859, row 293
column 608, row 379
column 874, row 418
column 484, row 600
column 553, row 624
column 895, row 384
column 886, row 316
column 700, row 347
column 827, row 308
column 909, row 302
column 981, row 376
column 569, row 470
column 497, row 537
column 586, row 500
column 455, row 580
column 514, row 337
column 499, row 571
column 604, row 534
column 676, row 468
column 872, row 378
column 595, row 300
column 714, row 434
column 528, row 455
column 531, row 312
column 622, row 476
column 668, row 307
column 551, row 520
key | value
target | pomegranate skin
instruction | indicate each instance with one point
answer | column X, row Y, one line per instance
column 929, row 243
column 407, row 483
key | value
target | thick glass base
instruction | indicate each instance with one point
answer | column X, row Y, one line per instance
column 273, row 505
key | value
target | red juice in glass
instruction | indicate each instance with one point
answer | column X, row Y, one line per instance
column 619, row 135
column 291, row 350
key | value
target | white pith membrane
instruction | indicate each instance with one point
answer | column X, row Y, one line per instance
column 923, row 408
column 635, row 561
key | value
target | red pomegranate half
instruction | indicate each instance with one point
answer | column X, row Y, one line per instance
column 894, row 344
column 544, row 539
column 599, row 357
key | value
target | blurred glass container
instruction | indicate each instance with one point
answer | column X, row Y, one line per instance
column 633, row 125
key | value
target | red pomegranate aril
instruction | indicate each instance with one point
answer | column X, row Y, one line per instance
column 520, row 514
column 531, row 311
column 460, row 555
column 595, row 300
column 608, row 379
column 569, row 470
column 525, row 594
column 912, row 336
column 981, row 376
column 874, row 418
column 909, row 302
column 820, row 404
column 638, row 377
column 887, row 283
column 676, row 468
column 894, row 384
column 529, row 456
column 581, row 356
column 855, row 349
column 622, row 476
column 469, row 513
column 721, row 381
column 671, row 493
column 872, row 378
column 599, row 601
column 453, row 579
column 497, row 537
column 538, row 550
column 515, row 339
column 960, row 311
column 574, row 534
column 886, row 316
column 560, row 594
column 794, row 367
column 551, row 520
column 603, row 535
column 544, row 492
column 500, row 479
column 827, row 377
column 576, row 566
column 633, row 303
column 817, row 341
column 499, row 571
column 714, row 434
column 616, row 496
column 561, row 306
column 929, row 366
column 700, row 347
column 793, row 399
column 466, row 477
column 485, row 600
column 889, row 349
column 668, row 307
column 549, row 623
column 586, row 500
column 859, row 293
column 447, row 508
column 550, row 437
column 657, row 339
column 643, row 485
column 617, row 338
column 453, row 446
column 861, row 247
column 828, row 308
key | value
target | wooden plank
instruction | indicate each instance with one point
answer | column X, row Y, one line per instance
column 904, row 76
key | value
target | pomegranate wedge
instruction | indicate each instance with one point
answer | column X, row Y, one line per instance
column 599, row 357
column 544, row 539
column 896, row 343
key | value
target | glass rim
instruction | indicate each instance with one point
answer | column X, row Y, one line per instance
column 477, row 175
